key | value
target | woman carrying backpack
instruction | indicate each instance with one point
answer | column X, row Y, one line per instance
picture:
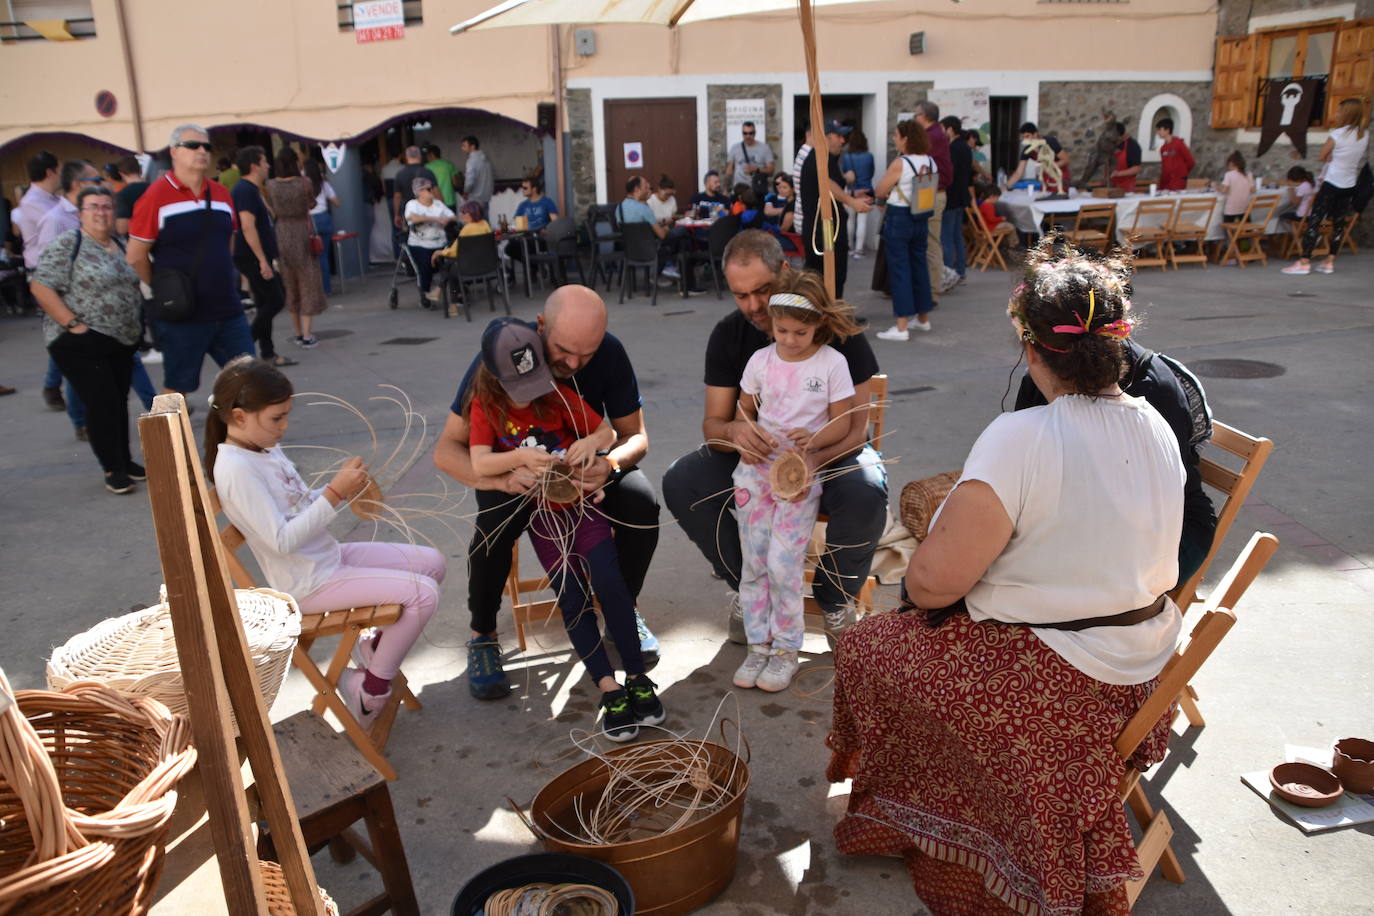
column 904, row 233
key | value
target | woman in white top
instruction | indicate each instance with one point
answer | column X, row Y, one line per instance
column 321, row 217
column 980, row 735
column 426, row 216
column 1343, row 153
column 904, row 235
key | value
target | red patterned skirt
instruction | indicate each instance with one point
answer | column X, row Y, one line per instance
column 987, row 761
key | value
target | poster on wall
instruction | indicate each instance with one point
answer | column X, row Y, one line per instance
column 972, row 108
column 737, row 111
column 333, row 154
column 1288, row 110
column 379, row 20
column 634, row 155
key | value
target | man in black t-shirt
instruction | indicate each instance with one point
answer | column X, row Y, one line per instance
column 810, row 192
column 587, row 359
column 255, row 249
column 404, row 190
column 133, row 189
column 697, row 487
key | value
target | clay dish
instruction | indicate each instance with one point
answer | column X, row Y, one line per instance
column 789, row 476
column 1353, row 762
column 1305, row 784
column 367, row 505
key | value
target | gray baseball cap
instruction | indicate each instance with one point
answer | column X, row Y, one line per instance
column 514, row 353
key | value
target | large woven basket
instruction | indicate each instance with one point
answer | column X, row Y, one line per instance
column 279, row 898
column 87, row 788
column 137, row 654
column 921, row 498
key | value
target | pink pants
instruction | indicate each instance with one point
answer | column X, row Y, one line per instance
column 378, row 573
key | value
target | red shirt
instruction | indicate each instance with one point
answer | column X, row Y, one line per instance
column 990, row 216
column 560, row 422
column 170, row 217
column 1175, row 162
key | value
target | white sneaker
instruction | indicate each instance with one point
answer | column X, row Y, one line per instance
column 735, row 626
column 755, row 661
column 894, row 334
column 836, row 622
column 152, row 358
column 670, row 272
column 362, row 705
column 918, row 325
column 782, row 667
column 365, row 647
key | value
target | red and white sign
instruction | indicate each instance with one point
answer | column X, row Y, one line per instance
column 379, row 20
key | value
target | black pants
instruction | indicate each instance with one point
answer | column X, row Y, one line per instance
column 816, row 262
column 268, row 298
column 1331, row 203
column 698, row 490
column 100, row 368
column 631, row 505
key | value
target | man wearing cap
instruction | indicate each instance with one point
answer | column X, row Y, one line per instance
column 808, row 198
column 587, row 359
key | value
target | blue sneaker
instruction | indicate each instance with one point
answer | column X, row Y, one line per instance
column 486, row 678
column 648, row 645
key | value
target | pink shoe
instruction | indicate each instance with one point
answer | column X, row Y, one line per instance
column 1325, row 268
column 1297, row 270
column 362, row 705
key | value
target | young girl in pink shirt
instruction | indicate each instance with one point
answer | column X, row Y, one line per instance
column 792, row 389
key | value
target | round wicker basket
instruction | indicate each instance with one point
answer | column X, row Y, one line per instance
column 920, row 499
column 137, row 654
column 279, row 898
column 87, row 789
column 789, row 476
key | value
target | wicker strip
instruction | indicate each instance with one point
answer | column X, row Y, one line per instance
column 279, row 897
column 136, row 653
column 921, row 498
column 87, row 790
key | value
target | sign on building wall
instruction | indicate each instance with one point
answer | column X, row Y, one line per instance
column 971, row 106
column 1288, row 111
column 634, row 155
column 334, row 156
column 379, row 20
column 737, row 111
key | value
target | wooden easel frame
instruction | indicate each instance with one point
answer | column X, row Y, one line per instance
column 217, row 673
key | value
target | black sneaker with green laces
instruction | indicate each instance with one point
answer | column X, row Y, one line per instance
column 646, row 704
column 618, row 716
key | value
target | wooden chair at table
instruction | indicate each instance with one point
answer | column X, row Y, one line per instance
column 1235, row 486
column 1347, row 240
column 877, row 421
column 988, row 242
column 1251, row 227
column 1191, row 221
column 1153, row 847
column 347, row 624
column 1092, row 227
column 1292, row 242
column 1151, row 227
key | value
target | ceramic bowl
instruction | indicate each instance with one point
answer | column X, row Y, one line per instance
column 1353, row 762
column 1305, row 784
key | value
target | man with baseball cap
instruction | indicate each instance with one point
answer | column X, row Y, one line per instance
column 808, row 199
column 585, row 358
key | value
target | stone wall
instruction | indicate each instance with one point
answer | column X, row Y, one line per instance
column 901, row 97
column 581, row 150
column 716, row 97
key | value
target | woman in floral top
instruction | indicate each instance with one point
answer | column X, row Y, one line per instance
column 92, row 322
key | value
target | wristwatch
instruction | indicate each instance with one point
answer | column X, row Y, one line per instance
column 73, row 323
column 616, row 472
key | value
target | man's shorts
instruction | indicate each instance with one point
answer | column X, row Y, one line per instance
column 185, row 344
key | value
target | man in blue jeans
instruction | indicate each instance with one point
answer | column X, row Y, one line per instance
column 185, row 221
column 957, row 197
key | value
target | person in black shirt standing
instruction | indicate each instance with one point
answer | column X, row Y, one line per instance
column 956, row 198
column 255, row 249
column 810, row 198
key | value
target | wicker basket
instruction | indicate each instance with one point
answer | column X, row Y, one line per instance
column 87, row 781
column 279, row 898
column 137, row 654
column 921, row 498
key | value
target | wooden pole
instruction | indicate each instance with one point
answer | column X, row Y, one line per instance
column 559, row 89
column 135, row 109
column 822, row 229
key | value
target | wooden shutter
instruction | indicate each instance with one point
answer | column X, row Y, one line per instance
column 1233, row 89
column 1352, row 65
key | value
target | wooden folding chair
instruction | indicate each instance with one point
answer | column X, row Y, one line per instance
column 1347, row 240
column 1151, row 227
column 1252, row 227
column 1192, row 219
column 1153, row 848
column 988, row 242
column 1292, row 242
column 347, row 624
column 1092, row 227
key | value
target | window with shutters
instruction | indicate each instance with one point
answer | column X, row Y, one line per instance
column 1338, row 54
column 51, row 20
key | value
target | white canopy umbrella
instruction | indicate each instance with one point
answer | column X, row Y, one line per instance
column 673, row 13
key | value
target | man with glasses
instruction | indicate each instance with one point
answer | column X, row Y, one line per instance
column 185, row 221
column 751, row 160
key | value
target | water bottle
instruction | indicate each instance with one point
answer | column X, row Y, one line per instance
column 1001, row 178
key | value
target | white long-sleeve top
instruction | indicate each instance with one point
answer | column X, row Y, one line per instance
column 285, row 523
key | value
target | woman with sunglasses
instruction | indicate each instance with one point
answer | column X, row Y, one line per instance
column 93, row 318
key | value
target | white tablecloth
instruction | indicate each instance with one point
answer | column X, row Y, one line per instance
column 1027, row 215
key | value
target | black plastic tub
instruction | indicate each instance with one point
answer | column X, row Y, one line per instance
column 545, row 867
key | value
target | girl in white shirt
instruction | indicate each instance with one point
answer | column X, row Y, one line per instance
column 1343, row 153
column 794, row 389
column 286, row 525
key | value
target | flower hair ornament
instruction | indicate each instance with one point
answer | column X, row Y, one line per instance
column 1119, row 329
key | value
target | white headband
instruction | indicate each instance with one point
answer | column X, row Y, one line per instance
column 792, row 300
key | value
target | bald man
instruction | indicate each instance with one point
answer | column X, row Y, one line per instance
column 592, row 362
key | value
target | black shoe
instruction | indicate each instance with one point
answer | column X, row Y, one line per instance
column 53, row 398
column 135, row 471
column 647, row 706
column 119, row 483
column 618, row 721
